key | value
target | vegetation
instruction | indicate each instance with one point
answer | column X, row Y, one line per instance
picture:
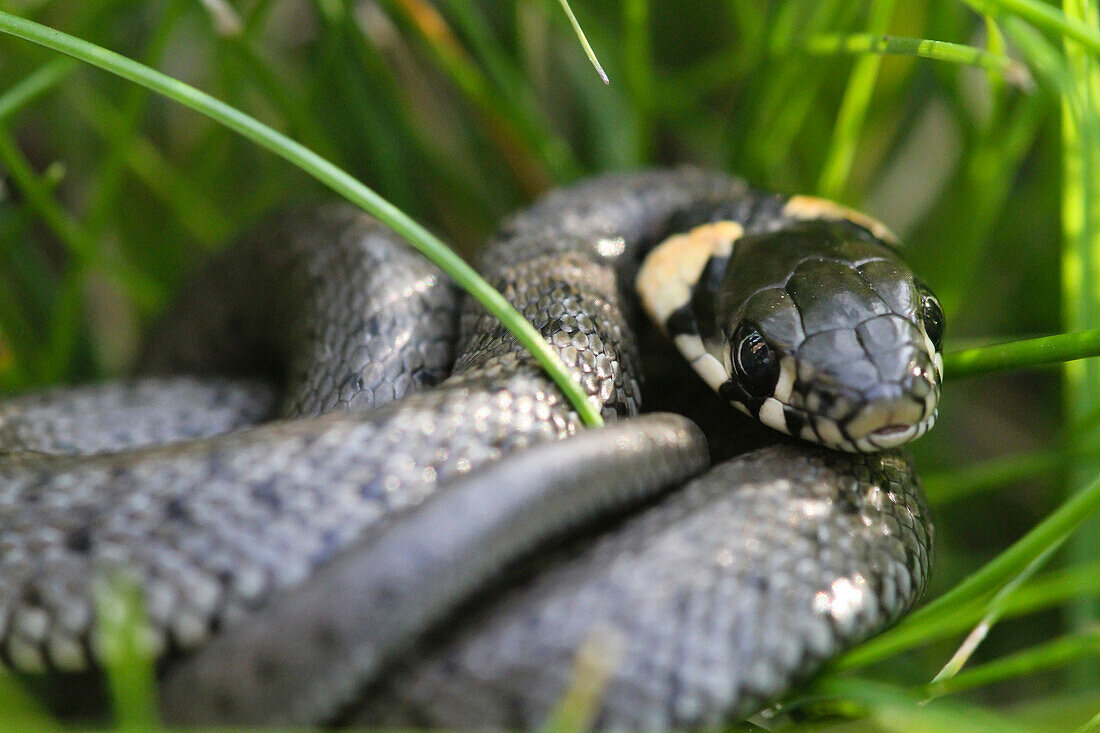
column 971, row 128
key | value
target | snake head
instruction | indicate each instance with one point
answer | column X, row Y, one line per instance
column 816, row 328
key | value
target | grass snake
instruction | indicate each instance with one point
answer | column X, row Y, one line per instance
column 415, row 542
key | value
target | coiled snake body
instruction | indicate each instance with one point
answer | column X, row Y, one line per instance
column 447, row 555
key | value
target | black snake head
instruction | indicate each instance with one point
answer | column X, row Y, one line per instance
column 814, row 326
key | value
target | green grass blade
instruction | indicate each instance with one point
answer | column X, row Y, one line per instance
column 20, row 711
column 224, row 17
column 194, row 210
column 896, row 709
column 953, row 53
column 1081, row 259
column 994, row 610
column 328, row 174
column 584, row 41
column 1048, row 591
column 80, row 245
column 1043, row 16
column 961, row 483
column 34, row 86
column 511, row 90
column 1022, row 354
column 535, row 152
column 1039, row 658
column 128, row 664
column 853, row 110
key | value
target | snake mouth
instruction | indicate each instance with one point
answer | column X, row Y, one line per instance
column 891, row 436
column 883, row 438
column 866, row 431
column 839, row 434
column 894, row 435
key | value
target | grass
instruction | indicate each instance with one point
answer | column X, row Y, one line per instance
column 458, row 111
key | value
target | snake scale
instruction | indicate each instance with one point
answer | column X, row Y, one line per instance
column 411, row 543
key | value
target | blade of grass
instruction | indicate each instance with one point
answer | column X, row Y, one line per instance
column 896, row 709
column 488, row 50
column 1022, row 354
column 107, row 184
column 1081, row 260
column 257, row 15
column 20, row 348
column 127, row 663
column 1042, row 16
column 327, row 173
column 21, row 712
column 993, row 612
column 296, row 112
column 63, row 338
column 351, row 90
column 996, row 44
column 76, row 239
column 593, row 665
column 514, row 90
column 194, row 210
column 1040, row 658
column 961, row 483
column 954, row 53
column 972, row 204
column 853, row 110
column 1043, row 593
column 584, row 41
column 224, row 17
column 606, row 116
column 1092, row 724
column 536, row 154
column 791, row 93
column 34, row 86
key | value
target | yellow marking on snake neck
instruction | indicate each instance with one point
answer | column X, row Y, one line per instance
column 673, row 267
column 812, row 207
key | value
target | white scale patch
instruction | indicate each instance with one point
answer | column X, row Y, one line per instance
column 785, row 384
column 812, row 207
column 829, row 432
column 673, row 267
column 667, row 277
column 771, row 414
column 705, row 364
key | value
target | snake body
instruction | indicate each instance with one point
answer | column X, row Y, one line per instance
column 408, row 546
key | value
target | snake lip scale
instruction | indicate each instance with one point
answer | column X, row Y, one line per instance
column 415, row 529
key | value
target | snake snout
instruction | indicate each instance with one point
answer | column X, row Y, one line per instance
column 869, row 388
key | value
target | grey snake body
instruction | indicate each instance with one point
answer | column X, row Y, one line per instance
column 345, row 563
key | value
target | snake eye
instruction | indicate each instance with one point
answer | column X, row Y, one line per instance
column 754, row 362
column 931, row 315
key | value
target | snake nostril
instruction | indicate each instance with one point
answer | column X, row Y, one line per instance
column 917, row 384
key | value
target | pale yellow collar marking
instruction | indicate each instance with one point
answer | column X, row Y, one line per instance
column 672, row 268
column 812, row 207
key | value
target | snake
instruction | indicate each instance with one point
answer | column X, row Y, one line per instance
column 413, row 527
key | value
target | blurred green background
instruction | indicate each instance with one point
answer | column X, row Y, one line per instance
column 460, row 111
